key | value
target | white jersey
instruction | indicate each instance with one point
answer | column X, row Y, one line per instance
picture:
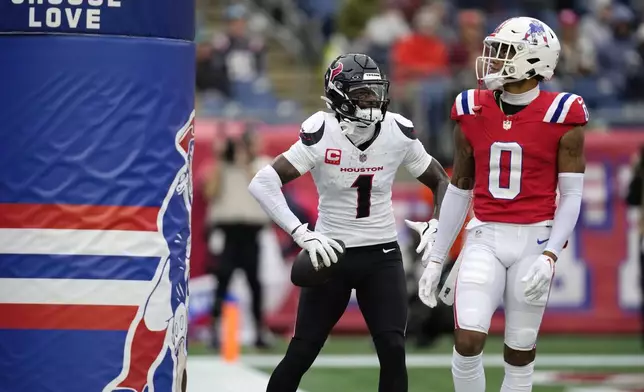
column 354, row 186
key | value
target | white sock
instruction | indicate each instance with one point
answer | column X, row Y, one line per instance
column 468, row 373
column 518, row 378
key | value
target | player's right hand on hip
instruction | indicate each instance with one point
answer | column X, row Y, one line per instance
column 317, row 244
column 427, row 232
column 428, row 284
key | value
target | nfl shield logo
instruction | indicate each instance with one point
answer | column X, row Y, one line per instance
column 507, row 124
column 363, row 157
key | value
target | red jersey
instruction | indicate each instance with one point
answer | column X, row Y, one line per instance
column 516, row 155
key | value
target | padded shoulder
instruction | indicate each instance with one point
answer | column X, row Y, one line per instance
column 464, row 104
column 568, row 109
column 403, row 124
column 312, row 129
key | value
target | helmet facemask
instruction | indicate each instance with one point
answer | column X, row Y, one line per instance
column 503, row 62
column 367, row 101
column 363, row 103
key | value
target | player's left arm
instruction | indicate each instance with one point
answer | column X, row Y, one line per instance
column 436, row 179
column 571, row 162
column 428, row 171
column 431, row 174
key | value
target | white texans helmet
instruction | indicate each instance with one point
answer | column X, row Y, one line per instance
column 520, row 48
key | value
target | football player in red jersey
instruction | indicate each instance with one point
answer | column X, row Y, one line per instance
column 514, row 145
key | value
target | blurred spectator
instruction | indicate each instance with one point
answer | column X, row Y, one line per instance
column 636, row 83
column 420, row 64
column 637, row 6
column 233, row 212
column 211, row 75
column 353, row 17
column 243, row 54
column 387, row 26
column 444, row 29
column 543, row 10
column 463, row 52
column 596, row 25
column 618, row 59
column 409, row 7
column 337, row 45
column 234, row 56
column 383, row 30
column 577, row 51
column 323, row 12
column 421, row 54
column 351, row 21
column 577, row 68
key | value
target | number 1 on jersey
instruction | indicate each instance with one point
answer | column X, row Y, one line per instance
column 364, row 184
column 506, row 161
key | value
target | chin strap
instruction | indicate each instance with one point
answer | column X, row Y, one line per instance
column 348, row 128
column 357, row 132
column 327, row 101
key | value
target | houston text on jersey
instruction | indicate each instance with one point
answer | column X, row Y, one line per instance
column 361, row 169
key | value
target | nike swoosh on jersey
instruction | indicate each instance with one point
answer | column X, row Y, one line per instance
column 388, row 250
column 541, row 242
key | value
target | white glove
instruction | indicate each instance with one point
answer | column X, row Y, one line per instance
column 316, row 243
column 538, row 278
column 427, row 232
column 428, row 284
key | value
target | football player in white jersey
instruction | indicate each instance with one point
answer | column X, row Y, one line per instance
column 353, row 154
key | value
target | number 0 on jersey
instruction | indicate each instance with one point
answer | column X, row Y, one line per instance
column 505, row 183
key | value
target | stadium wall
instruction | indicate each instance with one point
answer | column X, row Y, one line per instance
column 595, row 288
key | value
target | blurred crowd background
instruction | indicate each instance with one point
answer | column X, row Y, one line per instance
column 264, row 59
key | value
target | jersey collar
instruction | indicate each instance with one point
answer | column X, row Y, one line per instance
column 522, row 99
column 369, row 142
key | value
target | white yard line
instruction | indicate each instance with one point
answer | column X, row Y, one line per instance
column 445, row 360
column 211, row 374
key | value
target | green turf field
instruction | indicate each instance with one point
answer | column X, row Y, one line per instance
column 350, row 364
column 421, row 380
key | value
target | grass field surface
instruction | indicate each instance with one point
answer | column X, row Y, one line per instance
column 564, row 363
